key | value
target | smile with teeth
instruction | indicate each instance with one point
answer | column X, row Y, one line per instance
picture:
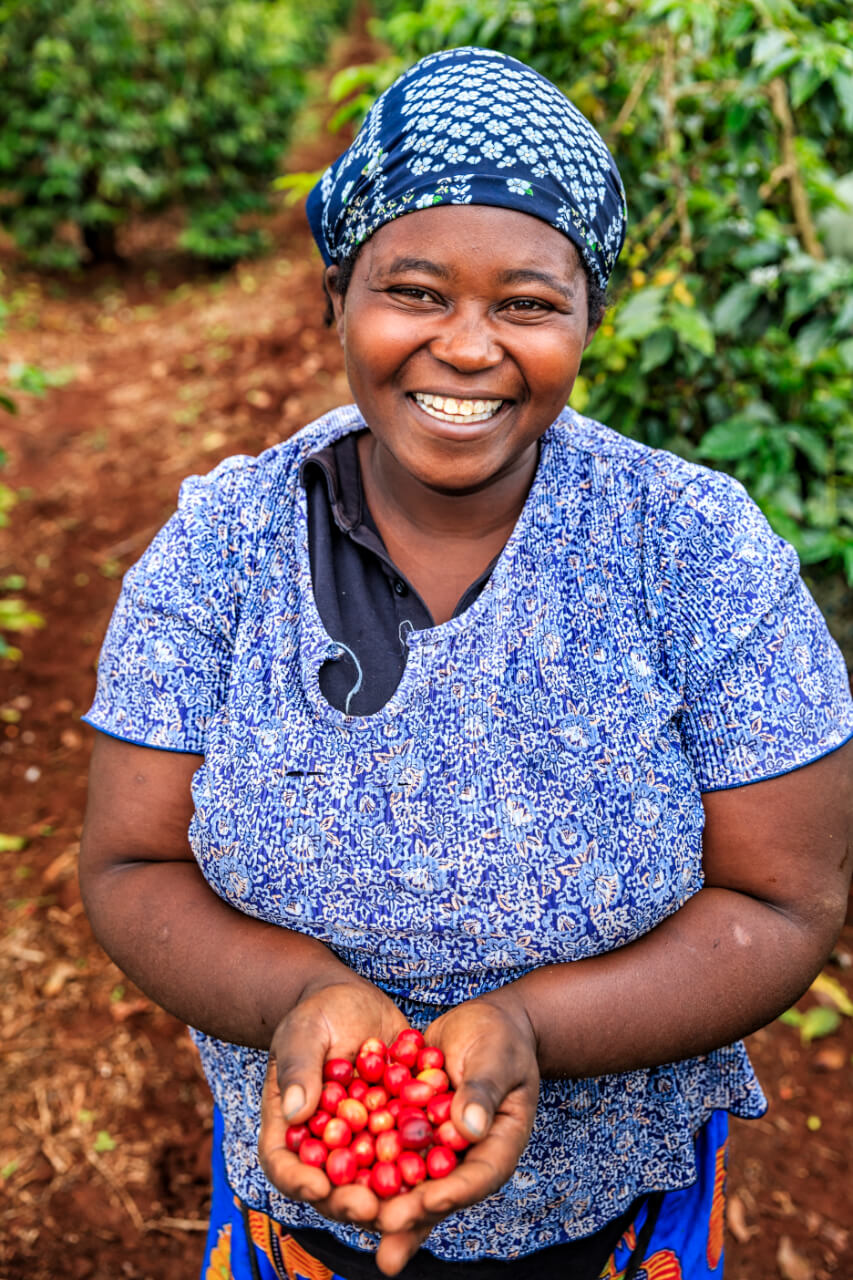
column 449, row 409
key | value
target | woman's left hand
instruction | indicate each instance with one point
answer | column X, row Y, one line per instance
column 490, row 1056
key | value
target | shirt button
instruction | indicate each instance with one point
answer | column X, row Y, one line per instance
column 400, row 587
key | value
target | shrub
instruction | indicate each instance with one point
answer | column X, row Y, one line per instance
column 731, row 335
column 135, row 105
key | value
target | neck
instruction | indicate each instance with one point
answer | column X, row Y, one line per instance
column 395, row 496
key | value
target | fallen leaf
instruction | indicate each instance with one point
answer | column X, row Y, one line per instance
column 784, row 1204
column 829, row 1058
column 792, row 1265
column 832, row 990
column 57, row 978
column 736, row 1220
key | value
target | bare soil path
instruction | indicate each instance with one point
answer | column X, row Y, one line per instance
column 104, row 1116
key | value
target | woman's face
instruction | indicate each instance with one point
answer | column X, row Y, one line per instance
column 463, row 330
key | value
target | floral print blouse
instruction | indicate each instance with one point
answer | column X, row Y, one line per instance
column 531, row 793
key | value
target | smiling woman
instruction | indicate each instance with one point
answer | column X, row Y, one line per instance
column 483, row 719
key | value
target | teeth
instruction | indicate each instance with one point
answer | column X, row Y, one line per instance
column 449, row 409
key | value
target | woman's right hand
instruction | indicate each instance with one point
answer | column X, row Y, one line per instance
column 330, row 1020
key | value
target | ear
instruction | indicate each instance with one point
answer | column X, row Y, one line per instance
column 590, row 334
column 329, row 281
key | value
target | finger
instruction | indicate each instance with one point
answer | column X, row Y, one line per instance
column 299, row 1048
column 283, row 1168
column 396, row 1250
column 353, row 1204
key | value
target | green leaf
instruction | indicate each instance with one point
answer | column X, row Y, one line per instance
column 12, row 844
column 103, row 1142
column 693, row 329
column 812, row 444
column 732, row 439
column 819, row 1022
column 657, row 349
column 791, row 1018
column 735, row 306
column 641, row 314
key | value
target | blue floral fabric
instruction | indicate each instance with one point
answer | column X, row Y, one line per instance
column 474, row 126
column 530, row 794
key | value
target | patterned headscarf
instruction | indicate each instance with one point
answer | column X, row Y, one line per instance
column 473, row 126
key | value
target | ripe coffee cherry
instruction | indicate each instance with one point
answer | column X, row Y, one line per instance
column 354, row 1112
column 332, row 1094
column 363, row 1148
column 318, row 1122
column 394, row 1107
column 376, row 1098
column 338, row 1069
column 386, row 1179
column 395, row 1077
column 294, row 1135
column 438, row 1108
column 341, row 1166
column 412, row 1167
column 370, row 1066
column 435, row 1078
column 380, row 1121
column 449, row 1136
column 337, row 1133
column 372, row 1045
column 440, row 1161
column 388, row 1145
column 362, row 1178
column 430, row 1057
column 415, row 1132
column 411, row 1034
column 313, row 1152
column 358, row 1089
column 417, row 1093
column 405, row 1051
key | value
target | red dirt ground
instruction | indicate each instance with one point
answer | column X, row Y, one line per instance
column 104, row 1117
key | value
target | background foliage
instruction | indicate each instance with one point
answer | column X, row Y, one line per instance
column 133, row 105
column 731, row 336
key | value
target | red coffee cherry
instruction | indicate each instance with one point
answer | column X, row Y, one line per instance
column 318, row 1122
column 412, row 1168
column 338, row 1069
column 341, row 1166
column 449, row 1136
column 405, row 1051
column 394, row 1077
column 380, row 1121
column 313, row 1152
column 440, row 1161
column 363, row 1148
column 385, row 1180
column 430, row 1057
column 358, row 1089
column 332, row 1094
column 370, row 1066
column 294, row 1135
column 435, row 1078
column 376, row 1098
column 388, row 1145
column 438, row 1108
column 416, row 1092
column 354, row 1112
column 415, row 1132
column 337, row 1133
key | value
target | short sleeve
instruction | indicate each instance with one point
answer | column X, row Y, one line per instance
column 165, row 661
column 764, row 686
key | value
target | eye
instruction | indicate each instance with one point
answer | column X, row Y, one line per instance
column 527, row 306
column 412, row 293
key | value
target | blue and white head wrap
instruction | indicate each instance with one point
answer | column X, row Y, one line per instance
column 473, row 126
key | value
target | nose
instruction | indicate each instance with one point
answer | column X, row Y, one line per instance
column 466, row 342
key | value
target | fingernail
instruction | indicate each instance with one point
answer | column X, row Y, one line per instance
column 293, row 1101
column 475, row 1118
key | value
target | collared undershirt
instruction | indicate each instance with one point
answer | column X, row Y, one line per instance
column 366, row 604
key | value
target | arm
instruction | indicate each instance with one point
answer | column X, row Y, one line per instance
column 777, row 861
column 153, row 912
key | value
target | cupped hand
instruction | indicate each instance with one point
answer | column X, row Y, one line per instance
column 330, row 1020
column 490, row 1056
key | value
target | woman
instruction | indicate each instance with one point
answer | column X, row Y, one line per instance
column 483, row 719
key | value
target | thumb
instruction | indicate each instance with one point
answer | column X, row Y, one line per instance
column 479, row 1095
column 299, row 1059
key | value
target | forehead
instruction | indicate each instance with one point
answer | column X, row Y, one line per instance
column 455, row 236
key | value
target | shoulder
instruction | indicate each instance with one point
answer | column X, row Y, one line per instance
column 677, row 503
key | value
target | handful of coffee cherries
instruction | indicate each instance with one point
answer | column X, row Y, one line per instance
column 385, row 1122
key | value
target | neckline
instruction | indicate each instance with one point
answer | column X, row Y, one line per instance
column 317, row 646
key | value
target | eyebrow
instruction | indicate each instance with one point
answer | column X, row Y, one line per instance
column 527, row 275
column 416, row 264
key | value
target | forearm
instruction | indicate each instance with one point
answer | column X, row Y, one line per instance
column 223, row 972
column 719, row 968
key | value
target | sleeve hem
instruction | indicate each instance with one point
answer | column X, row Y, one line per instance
column 781, row 773
column 137, row 742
